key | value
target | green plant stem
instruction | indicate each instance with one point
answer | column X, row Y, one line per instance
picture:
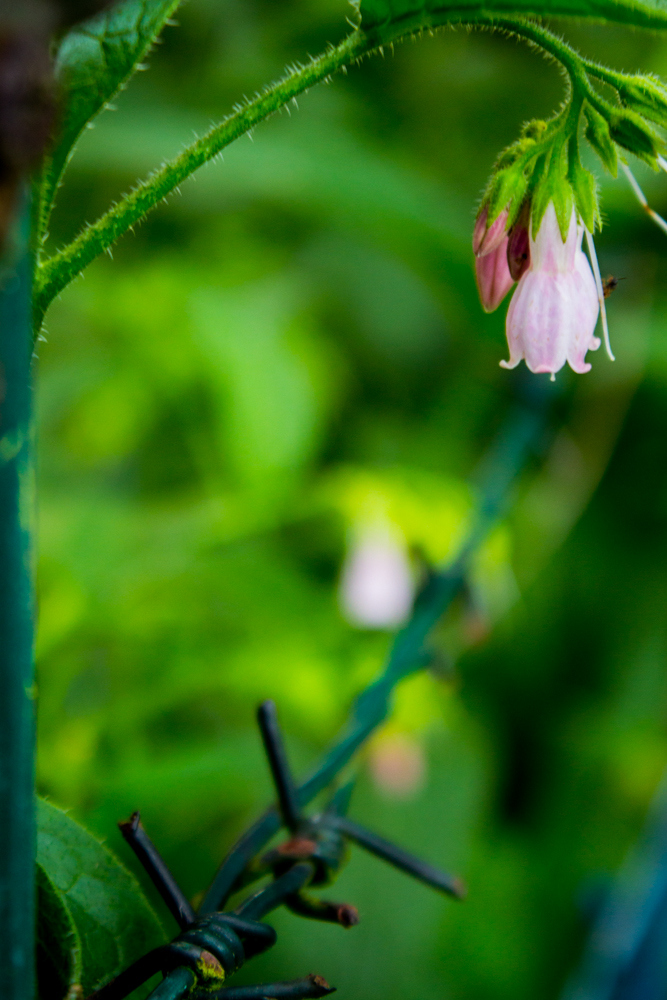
column 570, row 60
column 57, row 271
column 17, row 838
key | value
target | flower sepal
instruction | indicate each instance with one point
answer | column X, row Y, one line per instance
column 629, row 130
column 644, row 94
column 584, row 189
column 553, row 188
column 598, row 135
column 506, row 192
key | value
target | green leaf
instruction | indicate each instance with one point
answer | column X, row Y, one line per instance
column 58, row 943
column 113, row 920
column 94, row 62
column 388, row 19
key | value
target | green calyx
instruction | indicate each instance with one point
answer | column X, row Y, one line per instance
column 629, row 130
column 544, row 164
column 599, row 138
column 644, row 94
column 553, row 186
column 542, row 167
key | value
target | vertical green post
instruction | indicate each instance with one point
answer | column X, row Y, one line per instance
column 17, row 836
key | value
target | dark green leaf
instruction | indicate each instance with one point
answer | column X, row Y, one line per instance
column 114, row 922
column 95, row 60
column 58, row 943
column 391, row 18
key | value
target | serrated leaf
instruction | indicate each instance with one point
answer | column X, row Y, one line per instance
column 389, row 18
column 95, row 60
column 113, row 920
column 58, row 953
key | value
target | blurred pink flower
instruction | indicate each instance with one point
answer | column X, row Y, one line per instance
column 551, row 318
column 491, row 269
column 398, row 765
column 376, row 589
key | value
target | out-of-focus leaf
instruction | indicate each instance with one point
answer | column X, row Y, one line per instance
column 108, row 911
column 391, row 18
column 58, row 943
column 94, row 62
column 271, row 378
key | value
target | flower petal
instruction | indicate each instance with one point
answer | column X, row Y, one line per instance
column 584, row 315
column 548, row 252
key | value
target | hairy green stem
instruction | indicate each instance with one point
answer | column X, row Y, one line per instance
column 57, row 271
column 560, row 50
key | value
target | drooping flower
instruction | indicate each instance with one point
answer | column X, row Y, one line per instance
column 552, row 316
column 491, row 268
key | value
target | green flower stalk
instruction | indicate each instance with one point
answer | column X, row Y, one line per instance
column 540, row 201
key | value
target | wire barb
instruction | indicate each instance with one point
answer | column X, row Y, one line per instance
column 296, row 989
column 156, row 869
column 323, row 909
column 267, row 718
column 399, row 858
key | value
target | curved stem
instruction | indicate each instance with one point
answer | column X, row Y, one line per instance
column 57, row 271
column 571, row 61
column 602, row 73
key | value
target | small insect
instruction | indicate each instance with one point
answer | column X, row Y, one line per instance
column 609, row 285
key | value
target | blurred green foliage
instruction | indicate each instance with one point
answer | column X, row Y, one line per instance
column 292, row 339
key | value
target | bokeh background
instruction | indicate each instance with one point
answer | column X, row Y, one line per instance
column 285, row 356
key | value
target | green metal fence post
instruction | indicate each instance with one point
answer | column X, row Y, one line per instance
column 17, row 838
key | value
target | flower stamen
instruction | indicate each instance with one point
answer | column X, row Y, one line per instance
column 641, row 197
column 598, row 284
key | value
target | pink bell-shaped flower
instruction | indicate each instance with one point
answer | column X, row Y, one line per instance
column 491, row 269
column 551, row 318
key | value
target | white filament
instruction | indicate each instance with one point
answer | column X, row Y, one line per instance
column 598, row 284
column 641, row 197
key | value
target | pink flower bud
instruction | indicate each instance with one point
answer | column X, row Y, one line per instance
column 493, row 276
column 552, row 316
column 490, row 247
column 487, row 240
